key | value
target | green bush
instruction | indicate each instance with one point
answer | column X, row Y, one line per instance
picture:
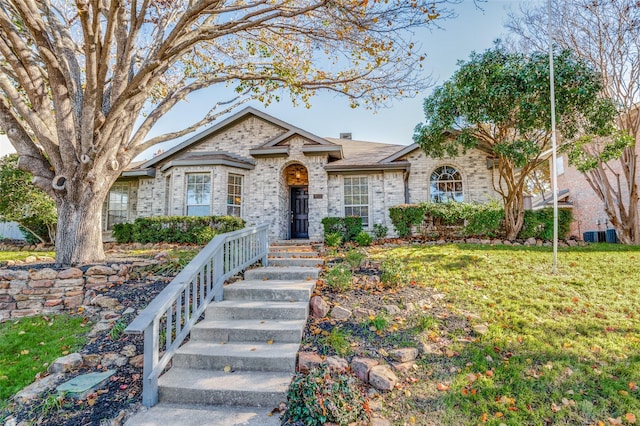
column 123, row 232
column 364, row 239
column 380, row 231
column 539, row 224
column 323, row 396
column 406, row 215
column 485, row 220
column 333, row 239
column 176, row 229
column 348, row 227
column 338, row 278
column 393, row 272
column 354, row 258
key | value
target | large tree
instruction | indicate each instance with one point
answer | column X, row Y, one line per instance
column 499, row 101
column 607, row 35
column 82, row 82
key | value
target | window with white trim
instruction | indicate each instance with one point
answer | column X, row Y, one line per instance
column 198, row 194
column 234, row 195
column 446, row 185
column 356, row 197
column 118, row 206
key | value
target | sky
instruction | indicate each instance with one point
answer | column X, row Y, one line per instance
column 474, row 29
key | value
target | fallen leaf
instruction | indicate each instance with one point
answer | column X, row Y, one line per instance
column 555, row 408
column 21, row 332
column 442, row 387
column 630, row 417
column 227, row 369
column 24, row 352
column 484, row 418
column 269, row 342
column 615, row 422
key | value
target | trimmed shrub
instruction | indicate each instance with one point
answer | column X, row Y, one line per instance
column 123, row 232
column 539, row 224
column 348, row 227
column 406, row 215
column 364, row 239
column 176, row 229
column 380, row 231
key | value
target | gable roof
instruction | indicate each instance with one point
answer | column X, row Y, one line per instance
column 290, row 131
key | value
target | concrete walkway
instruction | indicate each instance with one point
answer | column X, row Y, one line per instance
column 238, row 364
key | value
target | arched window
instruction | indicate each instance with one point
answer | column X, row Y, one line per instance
column 446, row 185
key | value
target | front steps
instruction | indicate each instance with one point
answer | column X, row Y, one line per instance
column 239, row 361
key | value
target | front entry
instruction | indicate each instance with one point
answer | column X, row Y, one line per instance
column 300, row 212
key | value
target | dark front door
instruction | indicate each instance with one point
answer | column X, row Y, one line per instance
column 300, row 212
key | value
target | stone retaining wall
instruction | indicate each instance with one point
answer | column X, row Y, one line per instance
column 31, row 292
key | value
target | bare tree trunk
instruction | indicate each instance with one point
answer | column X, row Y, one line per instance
column 513, row 214
column 79, row 232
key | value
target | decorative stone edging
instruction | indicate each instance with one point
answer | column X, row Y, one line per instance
column 31, row 292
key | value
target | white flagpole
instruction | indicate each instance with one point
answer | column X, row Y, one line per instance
column 554, row 174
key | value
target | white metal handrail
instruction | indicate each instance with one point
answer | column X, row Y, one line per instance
column 168, row 319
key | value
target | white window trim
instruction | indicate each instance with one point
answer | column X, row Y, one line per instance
column 242, row 182
column 369, row 225
column 462, row 180
column 185, row 204
column 108, row 224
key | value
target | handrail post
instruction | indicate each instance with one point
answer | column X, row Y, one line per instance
column 151, row 350
column 264, row 243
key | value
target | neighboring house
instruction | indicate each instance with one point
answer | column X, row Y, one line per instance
column 257, row 167
column 10, row 230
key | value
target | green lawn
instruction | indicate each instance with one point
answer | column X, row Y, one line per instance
column 560, row 349
column 22, row 255
column 29, row 345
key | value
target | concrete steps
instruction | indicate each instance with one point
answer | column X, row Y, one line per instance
column 238, row 364
column 239, row 388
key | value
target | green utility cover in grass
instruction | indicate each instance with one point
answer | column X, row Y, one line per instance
column 81, row 386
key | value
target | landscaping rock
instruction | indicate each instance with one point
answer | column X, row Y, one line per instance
column 308, row 360
column 91, row 360
column 403, row 367
column 105, row 302
column 340, row 313
column 362, row 366
column 481, row 329
column 35, row 389
column 113, row 359
column 404, row 354
column 379, row 421
column 335, row 363
column 100, row 270
column 382, row 378
column 129, row 351
column 530, row 242
column 362, row 312
column 392, row 309
column 319, row 308
column 137, row 361
column 43, row 274
column 70, row 273
column 66, row 363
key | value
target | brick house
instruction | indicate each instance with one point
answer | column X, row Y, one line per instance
column 260, row 168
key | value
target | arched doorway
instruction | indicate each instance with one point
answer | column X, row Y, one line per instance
column 296, row 178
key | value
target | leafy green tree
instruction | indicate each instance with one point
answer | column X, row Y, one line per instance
column 499, row 101
column 83, row 83
column 24, row 203
column 606, row 34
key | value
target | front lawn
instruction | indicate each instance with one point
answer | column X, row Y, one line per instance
column 558, row 349
column 22, row 255
column 29, row 345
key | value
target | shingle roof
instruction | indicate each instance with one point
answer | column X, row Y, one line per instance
column 362, row 153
